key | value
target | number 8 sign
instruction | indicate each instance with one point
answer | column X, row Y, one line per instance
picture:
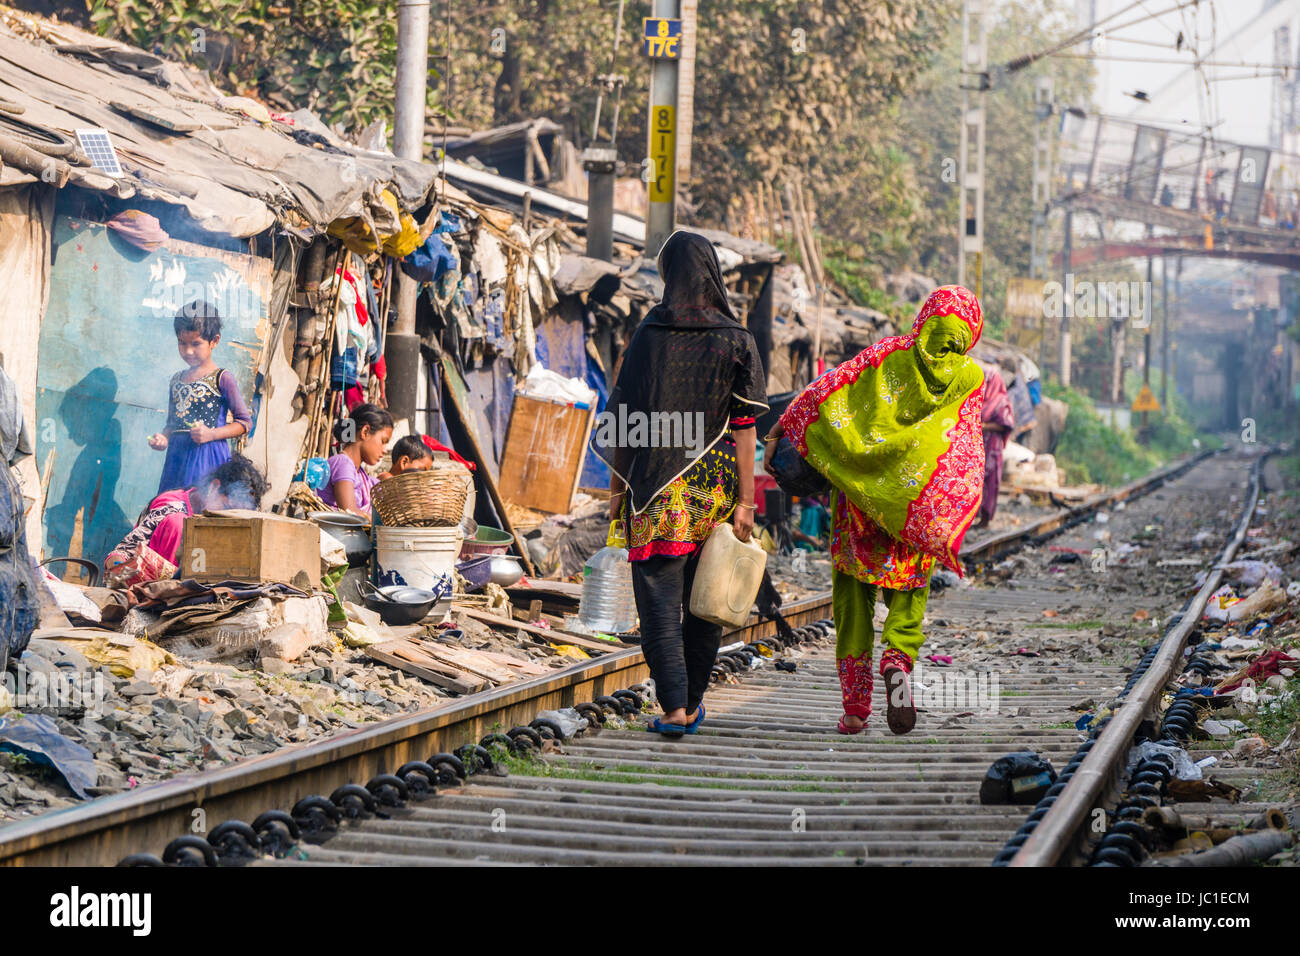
column 662, row 36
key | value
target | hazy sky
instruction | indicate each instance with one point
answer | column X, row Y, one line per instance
column 1242, row 31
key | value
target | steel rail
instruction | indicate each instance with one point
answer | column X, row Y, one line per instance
column 1059, row 832
column 107, row 829
column 1054, row 524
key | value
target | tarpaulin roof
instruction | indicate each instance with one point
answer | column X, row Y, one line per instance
column 176, row 143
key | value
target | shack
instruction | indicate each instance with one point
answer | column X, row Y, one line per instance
column 267, row 215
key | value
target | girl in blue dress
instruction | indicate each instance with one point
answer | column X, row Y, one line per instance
column 204, row 409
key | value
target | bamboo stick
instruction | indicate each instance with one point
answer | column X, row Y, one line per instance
column 804, row 255
column 319, row 397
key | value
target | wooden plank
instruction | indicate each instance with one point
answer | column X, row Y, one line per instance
column 549, row 634
column 415, row 670
column 452, row 379
column 467, row 660
column 564, row 589
column 525, row 667
column 545, row 449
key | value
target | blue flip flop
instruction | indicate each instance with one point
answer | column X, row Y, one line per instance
column 671, row 731
column 694, row 726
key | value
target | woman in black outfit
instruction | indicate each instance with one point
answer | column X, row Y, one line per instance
column 691, row 376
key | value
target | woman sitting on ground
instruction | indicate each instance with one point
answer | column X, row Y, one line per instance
column 363, row 435
column 235, row 483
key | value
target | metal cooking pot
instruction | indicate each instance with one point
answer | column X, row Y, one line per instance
column 505, row 570
column 399, row 604
column 351, row 531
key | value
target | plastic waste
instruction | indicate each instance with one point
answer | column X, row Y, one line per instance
column 315, row 473
column 608, row 603
column 1019, row 778
column 569, row 719
column 1251, row 574
column 37, row 738
column 727, row 578
column 1223, row 728
column 1184, row 768
column 70, row 598
column 19, row 603
column 1216, row 608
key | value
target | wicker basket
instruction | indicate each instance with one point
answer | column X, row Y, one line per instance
column 424, row 499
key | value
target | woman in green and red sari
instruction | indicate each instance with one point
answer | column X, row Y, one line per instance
column 896, row 430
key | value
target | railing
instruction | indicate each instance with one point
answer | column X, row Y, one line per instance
column 1178, row 170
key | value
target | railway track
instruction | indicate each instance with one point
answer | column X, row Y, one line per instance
column 767, row 782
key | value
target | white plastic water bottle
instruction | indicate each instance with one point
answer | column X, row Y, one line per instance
column 608, row 603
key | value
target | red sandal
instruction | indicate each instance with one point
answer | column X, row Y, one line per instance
column 844, row 728
column 900, row 709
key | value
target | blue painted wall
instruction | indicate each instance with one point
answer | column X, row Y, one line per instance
column 107, row 353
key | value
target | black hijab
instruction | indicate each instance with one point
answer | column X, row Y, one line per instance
column 689, row 358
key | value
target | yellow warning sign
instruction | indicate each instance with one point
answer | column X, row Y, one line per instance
column 663, row 152
column 1146, row 400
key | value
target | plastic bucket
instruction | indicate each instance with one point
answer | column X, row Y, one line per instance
column 486, row 541
column 419, row 557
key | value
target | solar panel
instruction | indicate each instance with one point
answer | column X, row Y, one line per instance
column 99, row 147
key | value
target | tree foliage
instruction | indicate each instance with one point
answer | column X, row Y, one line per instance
column 929, row 132
column 858, row 98
column 781, row 84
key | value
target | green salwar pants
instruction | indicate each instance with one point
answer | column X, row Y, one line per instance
column 853, row 604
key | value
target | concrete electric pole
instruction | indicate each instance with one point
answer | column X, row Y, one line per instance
column 1043, row 110
column 974, row 63
column 402, row 345
column 662, row 44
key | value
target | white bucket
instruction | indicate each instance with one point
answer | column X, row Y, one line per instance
column 419, row 557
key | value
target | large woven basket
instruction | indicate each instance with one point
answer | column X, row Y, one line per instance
column 424, row 498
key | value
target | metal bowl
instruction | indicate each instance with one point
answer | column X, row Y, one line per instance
column 505, row 570
column 399, row 604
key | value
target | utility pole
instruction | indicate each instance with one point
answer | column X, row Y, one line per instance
column 1146, row 345
column 686, row 88
column 662, row 43
column 1164, row 333
column 402, row 346
column 974, row 62
column 1043, row 110
column 600, row 160
column 1068, row 309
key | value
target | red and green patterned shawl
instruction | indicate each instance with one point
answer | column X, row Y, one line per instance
column 897, row 427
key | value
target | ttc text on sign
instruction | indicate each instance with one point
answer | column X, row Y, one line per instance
column 662, row 38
